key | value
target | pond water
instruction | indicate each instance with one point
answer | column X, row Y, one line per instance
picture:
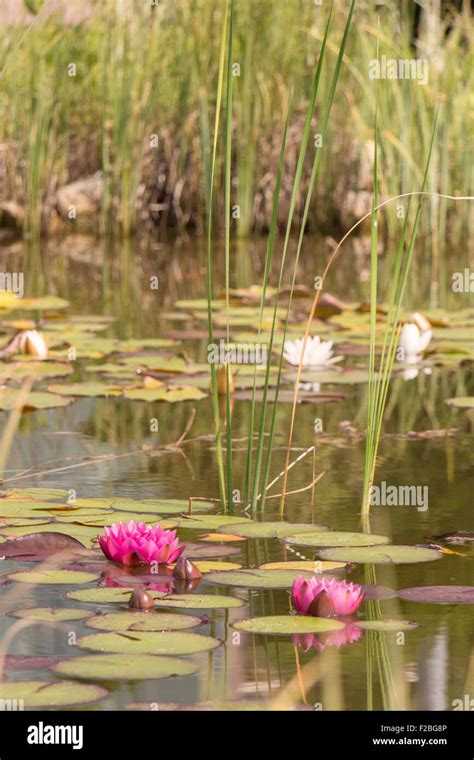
column 428, row 666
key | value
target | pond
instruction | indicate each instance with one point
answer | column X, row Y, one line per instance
column 124, row 455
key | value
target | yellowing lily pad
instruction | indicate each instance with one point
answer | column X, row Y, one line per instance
column 19, row 369
column 53, row 576
column 121, row 667
column 385, row 555
column 172, row 395
column 336, row 538
column 142, row 621
column 169, row 506
column 35, row 694
column 280, row 529
column 288, row 625
column 145, row 642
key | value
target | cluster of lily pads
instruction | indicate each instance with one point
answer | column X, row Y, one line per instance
column 138, row 571
column 77, row 360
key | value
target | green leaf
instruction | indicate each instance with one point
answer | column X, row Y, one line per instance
column 138, row 642
column 142, row 621
column 288, row 625
column 385, row 555
column 57, row 694
column 49, row 614
column 336, row 538
column 270, row 529
column 63, row 577
column 199, row 602
column 121, row 667
column 113, row 595
column 257, row 578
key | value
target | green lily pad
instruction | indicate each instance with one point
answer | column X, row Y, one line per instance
column 462, row 402
column 57, row 694
column 53, row 576
column 122, row 667
column 199, row 602
column 49, row 614
column 112, row 595
column 142, row 621
column 387, row 626
column 81, row 533
column 336, row 538
column 11, row 398
column 101, row 521
column 41, row 370
column 257, row 578
column 310, row 565
column 146, row 642
column 270, row 529
column 288, row 625
column 41, row 303
column 91, row 390
column 209, row 522
column 174, row 506
column 386, row 555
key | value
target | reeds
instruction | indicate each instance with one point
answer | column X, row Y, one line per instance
column 144, row 70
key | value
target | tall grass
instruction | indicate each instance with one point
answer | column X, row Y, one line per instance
column 144, row 70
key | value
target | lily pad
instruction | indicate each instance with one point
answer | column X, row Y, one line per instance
column 209, row 522
column 199, row 602
column 112, row 595
column 169, row 506
column 461, row 402
column 439, row 594
column 146, row 642
column 309, row 565
column 172, row 395
column 53, row 576
column 386, row 555
column 11, row 398
column 336, row 538
column 19, row 369
column 288, row 625
column 386, row 626
column 142, row 621
column 257, row 578
column 121, row 667
column 38, row 493
column 36, row 694
column 91, row 390
column 281, row 529
column 36, row 546
column 49, row 614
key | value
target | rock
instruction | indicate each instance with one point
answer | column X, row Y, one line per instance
column 80, row 198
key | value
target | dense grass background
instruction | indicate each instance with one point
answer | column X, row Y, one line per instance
column 145, row 70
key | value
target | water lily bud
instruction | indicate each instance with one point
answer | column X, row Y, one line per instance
column 185, row 570
column 221, row 373
column 141, row 600
column 33, row 343
column 421, row 322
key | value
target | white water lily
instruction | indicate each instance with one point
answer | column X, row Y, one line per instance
column 33, row 343
column 318, row 353
column 414, row 340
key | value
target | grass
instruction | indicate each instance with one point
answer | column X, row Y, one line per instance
column 145, row 70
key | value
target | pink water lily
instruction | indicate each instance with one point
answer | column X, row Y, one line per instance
column 135, row 543
column 326, row 598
